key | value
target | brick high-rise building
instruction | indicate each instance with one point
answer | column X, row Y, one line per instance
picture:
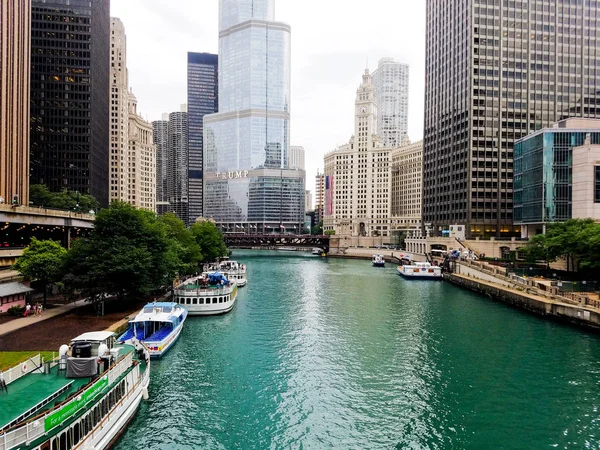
column 15, row 31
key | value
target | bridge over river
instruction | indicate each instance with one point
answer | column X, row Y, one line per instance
column 243, row 240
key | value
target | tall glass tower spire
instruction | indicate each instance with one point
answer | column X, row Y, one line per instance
column 247, row 180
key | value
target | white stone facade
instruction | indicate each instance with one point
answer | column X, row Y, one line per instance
column 118, row 112
column 297, row 158
column 391, row 82
column 141, row 177
column 360, row 173
column 407, row 185
column 586, row 182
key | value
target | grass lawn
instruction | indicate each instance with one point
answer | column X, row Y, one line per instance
column 11, row 359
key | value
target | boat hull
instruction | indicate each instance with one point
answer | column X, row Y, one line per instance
column 421, row 275
column 165, row 345
column 209, row 309
column 378, row 264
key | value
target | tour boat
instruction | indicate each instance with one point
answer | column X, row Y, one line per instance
column 232, row 270
column 207, row 295
column 420, row 270
column 83, row 400
column 317, row 251
column 158, row 326
column 378, row 261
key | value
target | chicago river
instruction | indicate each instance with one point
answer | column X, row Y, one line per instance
column 331, row 353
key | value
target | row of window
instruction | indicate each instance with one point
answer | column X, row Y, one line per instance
column 12, row 299
column 200, row 301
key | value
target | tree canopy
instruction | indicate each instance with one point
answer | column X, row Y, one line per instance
column 210, row 240
column 42, row 261
column 39, row 195
column 577, row 240
column 128, row 255
column 183, row 243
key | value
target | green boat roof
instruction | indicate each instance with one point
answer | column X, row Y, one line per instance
column 34, row 388
column 37, row 388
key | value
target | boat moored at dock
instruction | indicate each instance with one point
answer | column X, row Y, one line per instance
column 378, row 261
column 233, row 270
column 420, row 270
column 158, row 326
column 206, row 295
column 83, row 400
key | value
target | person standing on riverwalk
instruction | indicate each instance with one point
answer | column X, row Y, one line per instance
column 28, row 310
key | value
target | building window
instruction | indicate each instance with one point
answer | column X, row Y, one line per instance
column 597, row 184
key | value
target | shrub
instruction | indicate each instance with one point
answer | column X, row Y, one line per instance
column 16, row 311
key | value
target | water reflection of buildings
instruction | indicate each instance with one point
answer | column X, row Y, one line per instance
column 248, row 184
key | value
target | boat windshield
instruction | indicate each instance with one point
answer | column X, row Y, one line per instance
column 149, row 309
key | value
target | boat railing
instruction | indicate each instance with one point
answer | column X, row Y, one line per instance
column 202, row 290
column 35, row 427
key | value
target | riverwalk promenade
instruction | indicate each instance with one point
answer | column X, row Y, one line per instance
column 14, row 325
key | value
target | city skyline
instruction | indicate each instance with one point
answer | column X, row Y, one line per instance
column 324, row 61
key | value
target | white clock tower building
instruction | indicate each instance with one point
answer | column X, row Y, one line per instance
column 359, row 172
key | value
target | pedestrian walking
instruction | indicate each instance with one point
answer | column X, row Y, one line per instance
column 28, row 310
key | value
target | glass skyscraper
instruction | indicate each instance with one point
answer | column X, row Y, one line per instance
column 203, row 99
column 497, row 71
column 248, row 185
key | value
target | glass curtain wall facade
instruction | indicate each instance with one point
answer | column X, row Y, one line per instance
column 203, row 84
column 544, row 178
column 248, row 186
column 70, row 95
column 495, row 72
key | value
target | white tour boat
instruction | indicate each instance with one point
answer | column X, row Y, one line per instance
column 206, row 295
column 83, row 400
column 158, row 326
column 420, row 270
column 233, row 270
column 378, row 261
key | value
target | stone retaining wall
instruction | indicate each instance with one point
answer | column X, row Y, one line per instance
column 569, row 313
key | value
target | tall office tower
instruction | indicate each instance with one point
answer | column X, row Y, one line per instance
column 70, row 95
column 407, row 186
column 308, row 206
column 319, row 197
column 297, row 158
column 357, row 175
column 15, row 22
column 496, row 71
column 160, row 131
column 177, row 175
column 119, row 98
column 141, row 164
column 247, row 181
column 203, row 98
column 391, row 82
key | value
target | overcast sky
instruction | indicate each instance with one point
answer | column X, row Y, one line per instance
column 331, row 43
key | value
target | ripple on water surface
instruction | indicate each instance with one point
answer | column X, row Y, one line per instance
column 332, row 353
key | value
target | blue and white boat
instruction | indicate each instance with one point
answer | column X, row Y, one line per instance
column 158, row 326
column 378, row 261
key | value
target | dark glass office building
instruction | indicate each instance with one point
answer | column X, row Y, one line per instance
column 70, row 70
column 203, row 97
column 160, row 136
column 497, row 71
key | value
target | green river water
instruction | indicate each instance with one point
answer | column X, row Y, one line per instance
column 327, row 353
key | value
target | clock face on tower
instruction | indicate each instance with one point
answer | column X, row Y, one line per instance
column 363, row 109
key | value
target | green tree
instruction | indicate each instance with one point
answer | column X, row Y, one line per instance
column 42, row 261
column 210, row 240
column 318, row 230
column 329, row 232
column 128, row 255
column 183, row 243
column 39, row 195
column 576, row 240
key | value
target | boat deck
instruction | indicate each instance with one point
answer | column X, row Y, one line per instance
column 33, row 389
